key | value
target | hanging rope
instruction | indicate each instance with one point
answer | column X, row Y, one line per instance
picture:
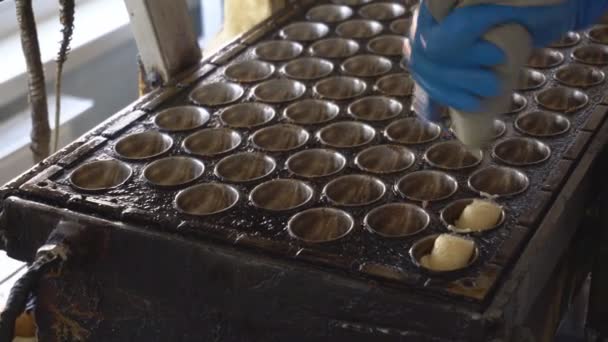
column 66, row 16
column 41, row 131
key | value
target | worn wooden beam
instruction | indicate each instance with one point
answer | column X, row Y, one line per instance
column 165, row 38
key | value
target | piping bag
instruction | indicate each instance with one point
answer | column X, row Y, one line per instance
column 476, row 129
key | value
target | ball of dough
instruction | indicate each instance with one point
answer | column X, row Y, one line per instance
column 449, row 253
column 479, row 215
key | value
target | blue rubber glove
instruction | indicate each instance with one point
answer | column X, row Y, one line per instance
column 451, row 61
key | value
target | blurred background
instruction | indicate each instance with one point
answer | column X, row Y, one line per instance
column 100, row 78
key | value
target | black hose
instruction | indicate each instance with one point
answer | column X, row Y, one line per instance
column 20, row 294
column 60, row 243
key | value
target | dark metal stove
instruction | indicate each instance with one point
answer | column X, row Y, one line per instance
column 204, row 222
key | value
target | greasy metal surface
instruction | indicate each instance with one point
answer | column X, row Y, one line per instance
column 232, row 156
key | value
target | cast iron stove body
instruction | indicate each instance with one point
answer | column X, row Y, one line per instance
column 190, row 223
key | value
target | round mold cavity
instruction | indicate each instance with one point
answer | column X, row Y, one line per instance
column 207, row 199
column 375, row 108
column 334, row 48
column 382, row 11
column 216, row 94
column 279, row 91
column 545, row 59
column 212, row 142
column 354, row 190
column 563, row 100
column 100, row 175
column 400, row 84
column 247, row 115
column 320, row 225
column 452, row 155
column 316, row 163
column 427, row 186
column 359, row 29
column 145, row 145
column 397, row 220
column 351, row 2
column 281, row 195
column 389, row 45
column 530, row 79
column 304, row 31
column 308, row 68
column 498, row 181
column 411, row 131
column 599, row 34
column 519, row 151
column 424, row 247
column 311, row 112
column 182, row 118
column 329, row 13
column 542, row 124
column 385, row 159
column 580, row 76
column 278, row 50
column 500, row 128
column 518, row 103
column 280, row 138
column 340, row 88
column 347, row 134
column 591, row 54
column 249, row 71
column 367, row 66
column 568, row 40
column 173, row 172
column 451, row 213
column 245, row 167
column 401, row 26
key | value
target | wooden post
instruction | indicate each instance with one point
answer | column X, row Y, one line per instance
column 165, row 38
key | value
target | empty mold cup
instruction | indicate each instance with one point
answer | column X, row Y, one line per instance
column 542, row 124
column 354, row 190
column 249, row 71
column 359, row 29
column 329, row 13
column 498, row 181
column 397, row 220
column 308, row 68
column 278, row 50
column 347, row 134
column 245, row 167
column 452, row 155
column 340, row 88
column 385, row 159
column 182, row 118
column 334, row 48
column 412, row 131
column 145, row 145
column 427, row 186
column 563, row 100
column 212, row 142
column 375, row 108
column 206, row 199
column 173, row 172
column 247, row 115
column 280, row 138
column 279, row 91
column 316, row 163
column 216, row 94
column 100, row 175
column 281, row 195
column 311, row 112
column 320, row 225
column 521, row 151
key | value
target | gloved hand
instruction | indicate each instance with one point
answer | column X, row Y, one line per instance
column 452, row 62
